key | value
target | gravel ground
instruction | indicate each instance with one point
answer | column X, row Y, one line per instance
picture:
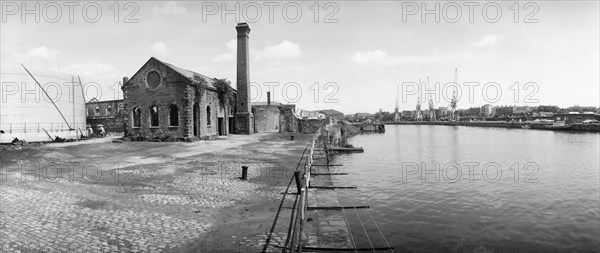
column 99, row 196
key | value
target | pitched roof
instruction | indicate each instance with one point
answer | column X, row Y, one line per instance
column 192, row 76
column 330, row 112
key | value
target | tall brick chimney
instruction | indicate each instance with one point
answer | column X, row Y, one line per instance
column 244, row 120
column 268, row 98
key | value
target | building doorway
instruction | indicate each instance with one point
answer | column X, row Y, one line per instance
column 195, row 118
column 231, row 125
column 220, row 127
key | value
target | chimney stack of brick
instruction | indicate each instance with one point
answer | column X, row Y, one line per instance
column 243, row 118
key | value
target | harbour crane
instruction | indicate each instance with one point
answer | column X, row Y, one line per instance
column 418, row 114
column 453, row 113
column 396, row 113
column 432, row 117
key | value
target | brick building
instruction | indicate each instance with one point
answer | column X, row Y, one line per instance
column 161, row 99
column 111, row 114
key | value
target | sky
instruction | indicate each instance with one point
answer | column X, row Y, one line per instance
column 352, row 56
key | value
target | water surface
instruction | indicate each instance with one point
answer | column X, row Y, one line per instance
column 518, row 190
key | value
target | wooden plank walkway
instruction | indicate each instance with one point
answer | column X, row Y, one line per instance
column 325, row 228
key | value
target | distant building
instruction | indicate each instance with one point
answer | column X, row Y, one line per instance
column 579, row 108
column 571, row 118
column 442, row 111
column 473, row 111
column 522, row 109
column 487, row 110
column 336, row 115
column 111, row 114
column 504, row 110
column 408, row 114
column 310, row 114
column 273, row 116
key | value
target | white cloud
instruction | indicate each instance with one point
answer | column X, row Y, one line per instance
column 169, row 8
column 488, row 40
column 369, row 56
column 275, row 53
column 230, row 54
column 159, row 48
column 95, row 70
column 43, row 53
column 224, row 57
column 285, row 49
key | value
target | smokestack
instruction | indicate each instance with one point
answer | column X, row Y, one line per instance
column 268, row 98
column 125, row 80
column 244, row 118
column 243, row 67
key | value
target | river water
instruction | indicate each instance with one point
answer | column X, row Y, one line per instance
column 470, row 189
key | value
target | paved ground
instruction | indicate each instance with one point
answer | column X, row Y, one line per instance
column 99, row 196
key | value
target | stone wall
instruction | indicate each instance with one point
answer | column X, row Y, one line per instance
column 173, row 89
column 266, row 118
column 288, row 122
column 311, row 126
column 111, row 124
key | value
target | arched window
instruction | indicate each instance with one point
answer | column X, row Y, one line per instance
column 173, row 116
column 97, row 110
column 108, row 109
column 136, row 117
column 208, row 115
column 154, row 116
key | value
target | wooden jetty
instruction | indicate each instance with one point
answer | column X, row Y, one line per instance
column 320, row 223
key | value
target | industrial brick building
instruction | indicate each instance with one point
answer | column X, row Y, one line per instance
column 111, row 114
column 162, row 99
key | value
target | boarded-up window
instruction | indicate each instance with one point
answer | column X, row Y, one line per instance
column 208, row 115
column 173, row 116
column 154, row 116
column 136, row 117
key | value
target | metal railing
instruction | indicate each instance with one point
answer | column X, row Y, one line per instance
column 32, row 127
column 302, row 197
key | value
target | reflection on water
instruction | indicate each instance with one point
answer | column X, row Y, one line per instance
column 462, row 189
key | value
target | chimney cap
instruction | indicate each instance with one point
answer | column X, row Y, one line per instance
column 242, row 29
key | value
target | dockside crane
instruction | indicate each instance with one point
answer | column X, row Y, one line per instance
column 396, row 110
column 418, row 113
column 453, row 113
column 432, row 117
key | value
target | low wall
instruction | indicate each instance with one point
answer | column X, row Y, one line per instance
column 111, row 124
column 311, row 126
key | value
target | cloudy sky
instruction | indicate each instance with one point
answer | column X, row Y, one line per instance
column 351, row 56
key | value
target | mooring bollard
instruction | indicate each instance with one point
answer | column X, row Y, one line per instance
column 298, row 183
column 244, row 172
column 291, row 137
